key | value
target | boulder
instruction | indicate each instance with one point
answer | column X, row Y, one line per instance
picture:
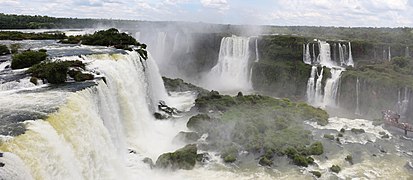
column 184, row 158
column 198, row 121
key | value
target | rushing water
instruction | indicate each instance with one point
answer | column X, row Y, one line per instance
column 232, row 72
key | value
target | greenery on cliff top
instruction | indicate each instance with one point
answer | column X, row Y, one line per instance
column 260, row 125
column 396, row 73
column 14, row 35
column 27, row 59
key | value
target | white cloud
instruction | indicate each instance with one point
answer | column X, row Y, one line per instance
column 216, row 4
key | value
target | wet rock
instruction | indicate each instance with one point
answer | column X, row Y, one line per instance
column 149, row 162
column 329, row 136
column 230, row 158
column 188, row 137
column 1, row 155
column 240, row 94
column 161, row 116
column 203, row 157
column 342, row 130
column 165, row 108
column 264, row 161
column 184, row 158
column 357, row 131
column 131, row 151
column 2, row 164
column 349, row 158
column 34, row 80
column 335, row 168
column 316, row 173
column 197, row 122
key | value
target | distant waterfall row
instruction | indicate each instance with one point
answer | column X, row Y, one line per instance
column 337, row 54
column 316, row 94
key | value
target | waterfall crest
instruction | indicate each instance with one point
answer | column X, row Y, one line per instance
column 232, row 72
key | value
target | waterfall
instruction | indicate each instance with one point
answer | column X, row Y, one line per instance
column 402, row 104
column 407, row 52
column 310, row 85
column 341, row 54
column 89, row 136
column 156, row 87
column 257, row 57
column 232, row 69
column 176, row 42
column 306, row 53
column 357, row 97
column 324, row 58
column 331, row 87
column 314, row 56
column 350, row 61
column 159, row 52
column 318, row 88
column 389, row 54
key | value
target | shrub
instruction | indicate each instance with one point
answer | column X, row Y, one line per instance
column 27, row 59
column 4, row 50
column 335, row 168
column 329, row 136
column 316, row 173
column 14, row 48
column 54, row 72
column 316, row 149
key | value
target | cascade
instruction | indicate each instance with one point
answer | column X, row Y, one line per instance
column 350, row 61
column 389, row 54
column 232, row 70
column 89, row 136
column 310, row 85
column 314, row 56
column 324, row 58
column 156, row 87
column 256, row 51
column 357, row 97
column 176, row 42
column 159, row 52
column 341, row 54
column 407, row 52
column 318, row 99
column 402, row 104
column 331, row 87
column 306, row 52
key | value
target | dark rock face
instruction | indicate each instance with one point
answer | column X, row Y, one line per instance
column 184, row 158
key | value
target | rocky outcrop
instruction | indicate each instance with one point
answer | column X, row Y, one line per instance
column 184, row 158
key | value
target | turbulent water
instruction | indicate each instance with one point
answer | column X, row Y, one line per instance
column 232, row 72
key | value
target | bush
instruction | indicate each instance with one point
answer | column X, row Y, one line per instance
column 53, row 72
column 27, row 59
column 230, row 158
column 4, row 50
column 335, row 168
column 184, row 158
column 316, row 149
column 14, row 48
column 400, row 61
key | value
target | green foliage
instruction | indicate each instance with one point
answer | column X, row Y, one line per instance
column 178, row 85
column 349, row 159
column 27, row 59
column 401, row 62
column 335, row 168
column 316, row 173
column 15, row 35
column 264, row 161
column 316, row 149
column 4, row 50
column 198, row 122
column 184, row 158
column 357, row 131
column 54, row 72
column 329, row 136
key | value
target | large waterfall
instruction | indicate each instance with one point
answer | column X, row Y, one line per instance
column 306, row 52
column 89, row 136
column 232, row 72
column 331, row 87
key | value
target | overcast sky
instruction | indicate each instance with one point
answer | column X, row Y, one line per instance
column 378, row 13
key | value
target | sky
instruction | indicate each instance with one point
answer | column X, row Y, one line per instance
column 347, row 13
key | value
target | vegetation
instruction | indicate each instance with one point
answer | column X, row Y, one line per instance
column 110, row 37
column 335, row 168
column 329, row 136
column 178, row 85
column 349, row 159
column 259, row 125
column 14, row 48
column 316, row 173
column 27, row 59
column 4, row 50
column 184, row 158
column 57, row 72
column 15, row 35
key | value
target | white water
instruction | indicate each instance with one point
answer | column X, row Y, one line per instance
column 357, row 97
column 406, row 53
column 232, row 72
column 157, row 91
column 341, row 54
column 314, row 56
column 331, row 87
column 403, row 103
column 389, row 54
column 350, row 61
column 257, row 57
column 324, row 58
column 306, row 52
column 310, row 85
column 318, row 88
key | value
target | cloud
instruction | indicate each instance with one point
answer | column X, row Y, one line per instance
column 215, row 4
